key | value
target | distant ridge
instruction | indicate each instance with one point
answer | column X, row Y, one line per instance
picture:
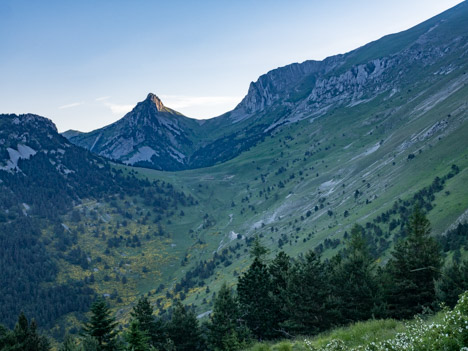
column 155, row 136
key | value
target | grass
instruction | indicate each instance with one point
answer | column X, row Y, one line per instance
column 388, row 334
column 360, row 333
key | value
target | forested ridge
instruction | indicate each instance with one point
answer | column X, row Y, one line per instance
column 36, row 194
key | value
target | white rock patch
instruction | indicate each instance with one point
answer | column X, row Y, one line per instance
column 369, row 151
column 233, row 235
column 144, row 153
column 23, row 152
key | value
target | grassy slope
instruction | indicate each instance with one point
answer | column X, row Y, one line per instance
column 355, row 335
column 269, row 190
column 361, row 333
column 344, row 152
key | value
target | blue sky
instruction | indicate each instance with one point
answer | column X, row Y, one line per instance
column 84, row 64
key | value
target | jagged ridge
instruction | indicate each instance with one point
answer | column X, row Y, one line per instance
column 157, row 137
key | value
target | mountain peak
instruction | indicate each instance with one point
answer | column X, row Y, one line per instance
column 157, row 101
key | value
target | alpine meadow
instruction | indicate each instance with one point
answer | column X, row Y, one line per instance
column 327, row 211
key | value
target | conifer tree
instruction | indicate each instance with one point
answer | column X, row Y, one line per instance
column 155, row 328
column 354, row 282
column 24, row 337
column 452, row 283
column 413, row 270
column 258, row 250
column 255, row 299
column 225, row 329
column 136, row 338
column 143, row 313
column 279, row 270
column 307, row 294
column 101, row 326
column 231, row 342
column 3, row 335
column 184, row 329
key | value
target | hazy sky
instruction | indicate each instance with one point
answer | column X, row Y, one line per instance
column 84, row 64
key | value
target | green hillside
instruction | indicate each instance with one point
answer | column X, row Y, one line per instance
column 310, row 182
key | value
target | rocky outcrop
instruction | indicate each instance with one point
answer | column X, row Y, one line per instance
column 21, row 135
column 274, row 85
column 32, row 139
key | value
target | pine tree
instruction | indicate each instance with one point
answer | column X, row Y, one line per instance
column 143, row 312
column 354, row 283
column 255, row 299
column 258, row 250
column 21, row 330
column 279, row 270
column 4, row 334
column 101, row 326
column 184, row 329
column 307, row 294
column 154, row 328
column 24, row 337
column 225, row 329
column 136, row 338
column 452, row 283
column 413, row 270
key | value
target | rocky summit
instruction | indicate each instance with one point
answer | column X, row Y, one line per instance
column 150, row 135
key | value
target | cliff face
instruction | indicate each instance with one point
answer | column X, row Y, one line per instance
column 311, row 88
column 275, row 85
